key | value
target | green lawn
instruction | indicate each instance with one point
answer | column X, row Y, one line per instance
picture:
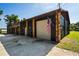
column 74, row 35
column 70, row 42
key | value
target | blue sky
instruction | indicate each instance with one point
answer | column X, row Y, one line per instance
column 32, row 9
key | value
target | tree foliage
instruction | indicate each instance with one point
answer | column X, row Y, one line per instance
column 74, row 26
column 9, row 19
column 0, row 31
column 1, row 12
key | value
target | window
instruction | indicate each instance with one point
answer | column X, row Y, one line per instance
column 66, row 26
column 62, row 25
column 61, row 20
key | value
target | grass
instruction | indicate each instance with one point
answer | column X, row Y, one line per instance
column 70, row 42
column 74, row 35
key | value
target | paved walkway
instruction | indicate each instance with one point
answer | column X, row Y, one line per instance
column 3, row 52
column 25, row 46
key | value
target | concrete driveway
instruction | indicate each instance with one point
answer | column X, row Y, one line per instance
column 25, row 46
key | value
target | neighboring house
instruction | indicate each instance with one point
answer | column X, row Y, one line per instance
column 14, row 28
column 52, row 26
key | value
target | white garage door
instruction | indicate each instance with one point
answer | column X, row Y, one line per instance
column 43, row 31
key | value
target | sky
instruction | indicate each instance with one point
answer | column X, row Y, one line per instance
column 28, row 10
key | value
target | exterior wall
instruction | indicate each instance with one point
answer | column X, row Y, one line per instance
column 66, row 23
column 22, row 27
column 26, row 28
column 36, row 27
column 42, row 30
column 18, row 30
column 9, row 29
column 59, row 32
column 53, row 28
column 30, row 28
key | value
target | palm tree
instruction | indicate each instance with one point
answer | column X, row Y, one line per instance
column 14, row 18
column 9, row 19
column 1, row 12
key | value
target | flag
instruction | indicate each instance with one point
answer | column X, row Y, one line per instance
column 48, row 25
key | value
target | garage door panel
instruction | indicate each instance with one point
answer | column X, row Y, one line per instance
column 42, row 31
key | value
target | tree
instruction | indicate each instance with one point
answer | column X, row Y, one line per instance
column 24, row 19
column 74, row 26
column 77, row 26
column 11, row 19
column 1, row 12
column 0, row 31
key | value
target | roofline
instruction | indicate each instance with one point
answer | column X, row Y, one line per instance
column 46, row 14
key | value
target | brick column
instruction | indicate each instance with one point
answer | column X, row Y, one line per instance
column 26, row 27
column 33, row 26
